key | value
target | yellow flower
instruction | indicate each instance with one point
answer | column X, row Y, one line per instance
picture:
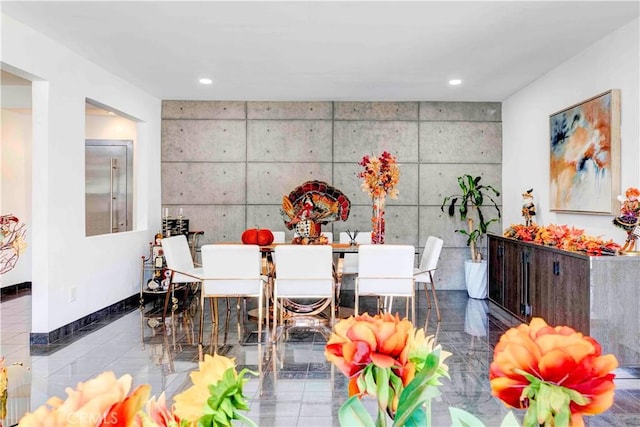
column 190, row 404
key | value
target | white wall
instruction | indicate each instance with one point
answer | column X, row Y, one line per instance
column 610, row 63
column 15, row 165
column 102, row 269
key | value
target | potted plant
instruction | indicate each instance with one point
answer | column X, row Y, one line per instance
column 468, row 204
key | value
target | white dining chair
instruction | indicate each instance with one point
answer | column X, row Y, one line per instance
column 386, row 271
column 233, row 270
column 184, row 274
column 428, row 265
column 350, row 261
column 177, row 255
column 302, row 271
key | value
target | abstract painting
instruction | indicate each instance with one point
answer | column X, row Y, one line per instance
column 585, row 155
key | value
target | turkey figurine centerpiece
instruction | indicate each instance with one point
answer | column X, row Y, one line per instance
column 310, row 206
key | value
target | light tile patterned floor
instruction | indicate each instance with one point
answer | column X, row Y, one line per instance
column 298, row 387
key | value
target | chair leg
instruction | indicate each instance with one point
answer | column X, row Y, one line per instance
column 275, row 319
column 435, row 297
column 260, row 319
column 355, row 310
column 200, row 329
column 240, row 318
column 426, row 292
column 413, row 307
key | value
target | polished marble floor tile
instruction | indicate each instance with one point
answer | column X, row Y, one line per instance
column 297, row 386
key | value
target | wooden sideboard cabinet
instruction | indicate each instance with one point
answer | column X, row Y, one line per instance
column 536, row 281
column 596, row 295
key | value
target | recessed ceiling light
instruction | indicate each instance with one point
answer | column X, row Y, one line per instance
column 455, row 82
column 206, row 81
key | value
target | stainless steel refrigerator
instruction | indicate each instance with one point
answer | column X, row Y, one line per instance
column 108, row 186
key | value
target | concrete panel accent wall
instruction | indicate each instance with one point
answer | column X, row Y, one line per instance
column 228, row 164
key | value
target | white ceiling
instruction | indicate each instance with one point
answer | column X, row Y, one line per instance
column 327, row 50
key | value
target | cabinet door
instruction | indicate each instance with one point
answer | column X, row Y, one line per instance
column 496, row 270
column 541, row 285
column 572, row 292
column 513, row 276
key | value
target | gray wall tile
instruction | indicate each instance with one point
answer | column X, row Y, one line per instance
column 204, row 140
column 289, row 110
column 353, row 140
column 460, row 142
column 203, row 183
column 293, row 140
column 267, row 183
column 220, row 223
column 376, row 111
column 438, row 181
column 461, row 111
column 204, row 110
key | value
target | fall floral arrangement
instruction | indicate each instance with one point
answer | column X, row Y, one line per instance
column 557, row 374
column 388, row 359
column 12, row 242
column 562, row 237
column 380, row 178
column 380, row 175
column 214, row 399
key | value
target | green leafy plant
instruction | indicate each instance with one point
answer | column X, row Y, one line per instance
column 468, row 204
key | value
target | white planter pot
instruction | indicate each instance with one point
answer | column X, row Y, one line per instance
column 475, row 274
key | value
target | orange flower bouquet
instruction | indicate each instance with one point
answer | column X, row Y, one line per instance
column 380, row 179
column 555, row 373
column 386, row 358
column 214, row 399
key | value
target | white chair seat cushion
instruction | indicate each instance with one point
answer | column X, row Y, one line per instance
column 228, row 287
column 385, row 286
column 301, row 288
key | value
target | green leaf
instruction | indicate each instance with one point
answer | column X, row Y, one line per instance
column 245, row 420
column 557, row 398
column 543, row 410
column 462, row 418
column 370, row 380
column 381, row 419
column 418, row 390
column 577, row 397
column 418, row 418
column 382, row 389
column 352, row 413
column 563, row 416
column 205, row 421
column 510, row 420
column 530, row 417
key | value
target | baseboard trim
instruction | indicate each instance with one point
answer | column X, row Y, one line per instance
column 77, row 327
column 14, row 291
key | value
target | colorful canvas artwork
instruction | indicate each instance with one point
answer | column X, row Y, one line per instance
column 585, row 155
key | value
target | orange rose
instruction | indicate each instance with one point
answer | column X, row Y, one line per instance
column 358, row 341
column 100, row 401
column 559, row 356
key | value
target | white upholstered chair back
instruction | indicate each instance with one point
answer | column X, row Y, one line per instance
column 177, row 255
column 386, row 271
